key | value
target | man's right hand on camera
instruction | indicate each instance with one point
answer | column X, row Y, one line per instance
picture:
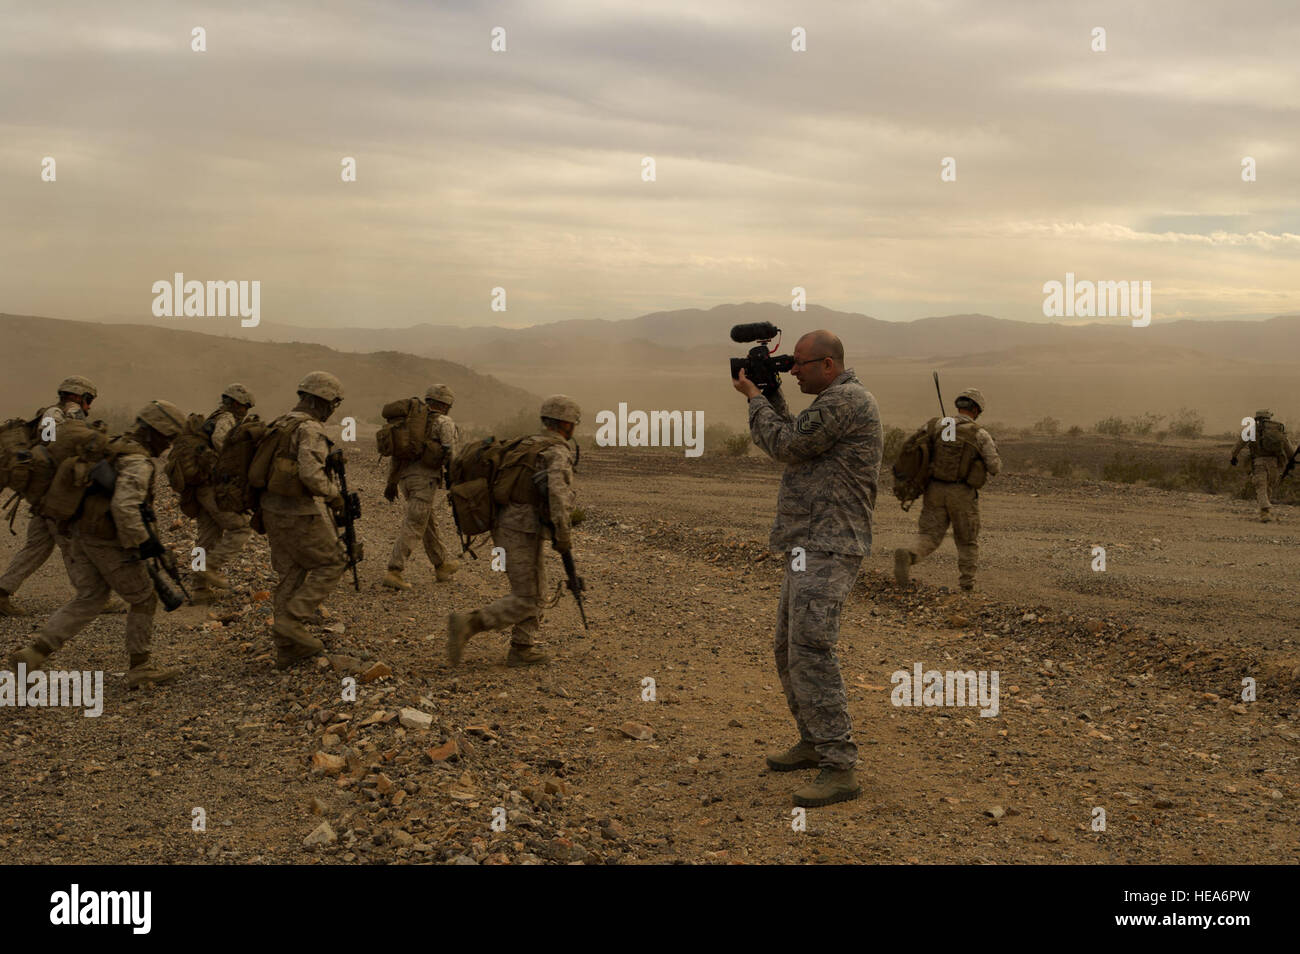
column 745, row 386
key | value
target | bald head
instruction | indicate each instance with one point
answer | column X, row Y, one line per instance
column 822, row 344
column 818, row 361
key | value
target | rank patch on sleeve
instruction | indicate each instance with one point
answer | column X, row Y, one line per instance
column 809, row 421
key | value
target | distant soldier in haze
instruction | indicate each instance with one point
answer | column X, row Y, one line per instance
column 823, row 529
column 108, row 542
column 522, row 526
column 420, row 481
column 222, row 534
column 1269, row 453
column 962, row 457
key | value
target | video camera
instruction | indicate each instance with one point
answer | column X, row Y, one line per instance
column 759, row 365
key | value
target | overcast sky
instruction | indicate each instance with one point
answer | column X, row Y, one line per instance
column 523, row 169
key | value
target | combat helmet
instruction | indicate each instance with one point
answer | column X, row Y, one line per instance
column 440, row 393
column 239, row 394
column 76, row 384
column 323, row 385
column 974, row 396
column 561, row 407
column 164, row 417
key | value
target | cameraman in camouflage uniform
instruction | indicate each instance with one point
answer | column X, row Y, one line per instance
column 420, row 481
column 221, row 534
column 1265, row 461
column 107, row 546
column 521, row 530
column 823, row 529
column 954, row 499
column 75, row 396
column 305, row 551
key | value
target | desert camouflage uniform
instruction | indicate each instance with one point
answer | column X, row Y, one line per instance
column 42, row 533
column 421, row 485
column 1265, row 471
column 305, row 552
column 97, row 566
column 828, row 493
column 519, row 530
column 956, row 503
column 221, row 534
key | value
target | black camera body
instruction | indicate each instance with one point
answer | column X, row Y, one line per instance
column 759, row 365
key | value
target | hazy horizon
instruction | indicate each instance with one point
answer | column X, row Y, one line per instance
column 774, row 168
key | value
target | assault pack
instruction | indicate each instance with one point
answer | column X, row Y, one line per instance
column 926, row 456
column 233, row 463
column 1271, row 439
column 20, row 470
column 405, row 431
column 491, row 473
column 191, row 461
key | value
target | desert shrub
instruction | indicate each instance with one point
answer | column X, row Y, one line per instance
column 737, row 445
column 1144, row 424
column 1074, row 431
column 1129, row 470
column 1187, row 423
column 716, row 437
column 1112, row 427
column 1048, row 425
column 894, row 438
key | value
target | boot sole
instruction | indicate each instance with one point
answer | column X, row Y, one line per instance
column 792, row 766
column 828, row 800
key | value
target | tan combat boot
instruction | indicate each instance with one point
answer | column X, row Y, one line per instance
column 293, row 643
column 831, row 786
column 212, row 580
column 144, row 672
column 526, row 656
column 447, row 570
column 115, row 607
column 460, row 627
column 7, row 608
column 803, row 755
column 393, row 580
column 1265, row 515
column 903, row 566
column 30, row 656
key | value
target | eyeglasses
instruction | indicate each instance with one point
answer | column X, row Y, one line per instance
column 800, row 364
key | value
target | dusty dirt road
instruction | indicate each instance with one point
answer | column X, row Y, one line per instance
column 1119, row 690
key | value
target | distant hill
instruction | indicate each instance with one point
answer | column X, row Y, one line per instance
column 133, row 363
column 1075, row 373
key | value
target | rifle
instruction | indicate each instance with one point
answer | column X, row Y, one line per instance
column 465, row 541
column 346, row 517
column 162, row 557
column 1290, row 464
column 940, row 393
column 576, row 584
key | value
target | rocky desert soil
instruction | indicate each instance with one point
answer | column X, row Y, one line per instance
column 1120, row 690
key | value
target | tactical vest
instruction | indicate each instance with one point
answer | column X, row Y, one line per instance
column 957, row 460
column 275, row 465
column 96, row 514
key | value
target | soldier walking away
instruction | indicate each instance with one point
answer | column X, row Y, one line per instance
column 823, row 529
column 962, row 457
column 222, row 534
column 108, row 545
column 420, row 481
column 305, row 552
column 521, row 526
column 75, row 396
column 1269, row 452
